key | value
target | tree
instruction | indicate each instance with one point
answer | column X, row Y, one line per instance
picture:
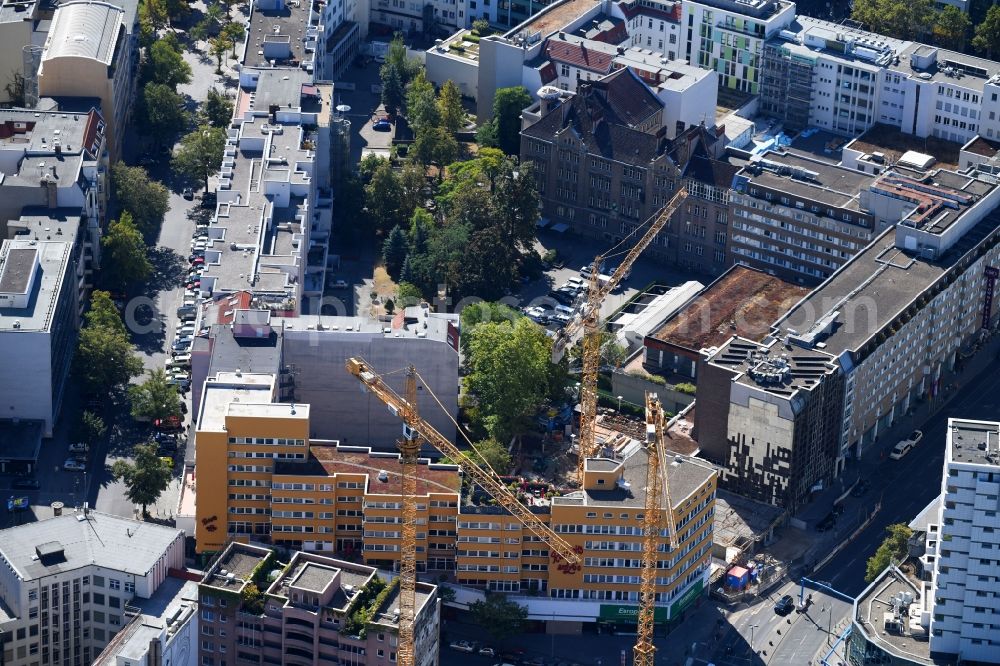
column 200, row 153
column 394, row 251
column 413, row 189
column 480, row 26
column 987, row 37
column 486, row 134
column 155, row 13
column 500, row 617
column 164, row 112
column 92, row 428
column 484, row 311
column 613, row 352
column 420, row 224
column 903, row 19
column 893, row 550
column 233, row 33
column 126, row 263
column 951, row 27
column 105, row 359
column 421, row 104
column 450, row 107
column 146, row 478
column 393, row 88
column 103, row 313
column 209, row 24
column 408, row 295
column 166, row 65
column 509, row 372
column 217, row 110
column 155, row 398
column 435, row 145
column 493, row 453
column 383, row 195
column 515, row 202
column 218, row 46
column 15, row 88
column 146, row 200
column 507, row 106
column 396, row 56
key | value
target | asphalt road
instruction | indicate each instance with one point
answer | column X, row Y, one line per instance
column 908, row 485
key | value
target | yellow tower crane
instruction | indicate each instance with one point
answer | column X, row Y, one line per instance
column 657, row 501
column 415, row 428
column 589, row 321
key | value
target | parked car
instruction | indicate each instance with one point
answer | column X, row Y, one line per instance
column 382, row 125
column 169, row 424
column 785, row 605
column 487, row 651
column 828, row 522
column 339, row 284
column 180, row 361
column 563, row 295
column 78, row 447
column 26, row 484
column 73, row 465
column 901, row 449
column 463, row 646
column 188, row 193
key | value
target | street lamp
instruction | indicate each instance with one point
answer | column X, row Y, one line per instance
column 619, row 403
column 752, row 627
column 829, row 621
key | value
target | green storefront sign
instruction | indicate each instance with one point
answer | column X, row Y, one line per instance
column 617, row 614
column 686, row 600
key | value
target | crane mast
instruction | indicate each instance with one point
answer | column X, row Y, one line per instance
column 487, row 479
column 589, row 321
column 409, row 449
column 657, row 501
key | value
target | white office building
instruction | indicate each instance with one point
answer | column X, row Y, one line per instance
column 67, row 584
column 965, row 618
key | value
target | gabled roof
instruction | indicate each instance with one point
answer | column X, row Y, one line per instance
column 591, row 57
column 604, row 114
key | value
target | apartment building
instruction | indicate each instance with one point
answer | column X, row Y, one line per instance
column 68, row 583
column 17, row 22
column 963, row 617
column 655, row 25
column 257, row 610
column 274, row 467
column 909, row 303
column 54, row 162
column 290, row 489
column 743, row 302
column 39, row 316
column 160, row 630
column 728, row 36
column 337, row 30
column 769, row 415
column 91, row 51
column 798, row 216
column 309, row 354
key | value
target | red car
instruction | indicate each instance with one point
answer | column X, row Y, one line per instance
column 170, row 423
column 198, row 261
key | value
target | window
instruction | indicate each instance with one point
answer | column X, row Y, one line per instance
column 98, row 581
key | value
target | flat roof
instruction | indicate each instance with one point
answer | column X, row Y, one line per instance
column 554, row 17
column 686, row 475
column 238, row 560
column 749, row 298
column 808, row 178
column 314, row 572
column 54, row 258
column 16, row 268
column 874, row 287
column 385, row 615
column 330, row 459
column 100, row 539
column 226, row 388
column 984, row 147
column 289, row 22
column 893, row 143
column 975, row 71
column 974, row 442
column 775, row 368
column 869, row 618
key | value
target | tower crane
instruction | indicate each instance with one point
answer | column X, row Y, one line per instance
column 657, row 501
column 589, row 322
column 414, row 429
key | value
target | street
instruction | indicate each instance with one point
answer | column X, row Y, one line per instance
column 906, row 486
